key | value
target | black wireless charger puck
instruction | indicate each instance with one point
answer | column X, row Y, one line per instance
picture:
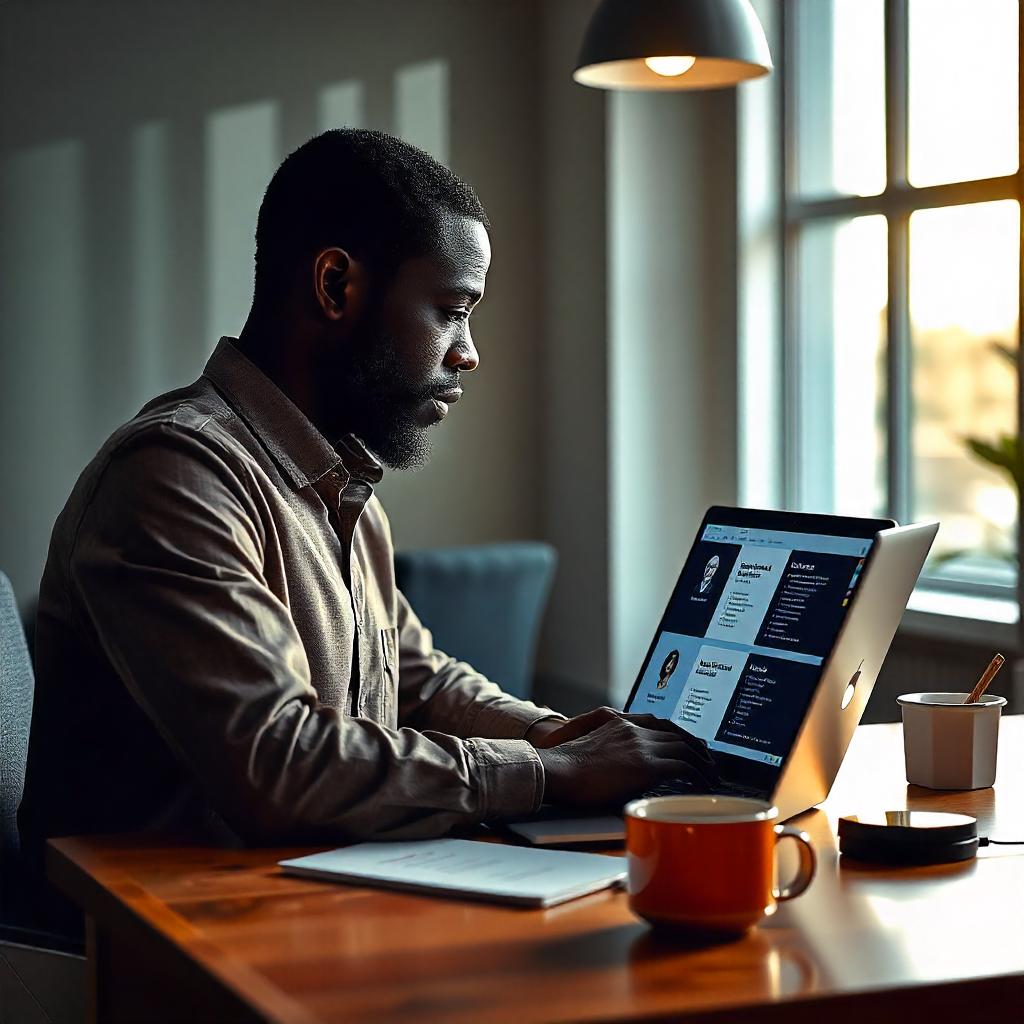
column 908, row 837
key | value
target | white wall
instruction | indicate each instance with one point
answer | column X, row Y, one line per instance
column 672, row 259
column 574, row 359
column 639, row 314
column 759, row 278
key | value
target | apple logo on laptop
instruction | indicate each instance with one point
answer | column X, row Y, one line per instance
column 851, row 686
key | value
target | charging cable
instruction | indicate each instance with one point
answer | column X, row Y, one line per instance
column 985, row 841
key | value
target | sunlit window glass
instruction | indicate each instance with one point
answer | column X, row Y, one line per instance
column 963, row 90
column 841, row 330
column 964, row 280
column 840, row 96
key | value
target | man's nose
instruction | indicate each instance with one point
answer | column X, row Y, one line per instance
column 463, row 355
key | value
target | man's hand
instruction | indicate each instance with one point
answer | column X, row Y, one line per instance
column 605, row 757
column 551, row 732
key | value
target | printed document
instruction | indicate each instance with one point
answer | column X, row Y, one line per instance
column 461, row 867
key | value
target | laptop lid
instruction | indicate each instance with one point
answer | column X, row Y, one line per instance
column 749, row 628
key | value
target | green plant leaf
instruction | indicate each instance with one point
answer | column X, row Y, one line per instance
column 1005, row 454
column 1011, row 355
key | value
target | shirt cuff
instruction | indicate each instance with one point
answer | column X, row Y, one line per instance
column 553, row 717
column 510, row 777
column 508, row 718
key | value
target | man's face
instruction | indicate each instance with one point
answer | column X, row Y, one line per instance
column 405, row 359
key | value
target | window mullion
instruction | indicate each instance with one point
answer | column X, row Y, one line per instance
column 898, row 406
column 898, row 371
column 1020, row 340
column 897, row 200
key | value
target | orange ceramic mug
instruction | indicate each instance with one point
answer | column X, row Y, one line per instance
column 707, row 863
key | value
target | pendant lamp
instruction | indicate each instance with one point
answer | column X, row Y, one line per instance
column 672, row 44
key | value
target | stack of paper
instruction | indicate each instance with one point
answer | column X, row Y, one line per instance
column 460, row 867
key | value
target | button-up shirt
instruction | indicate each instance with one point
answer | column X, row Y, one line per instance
column 220, row 639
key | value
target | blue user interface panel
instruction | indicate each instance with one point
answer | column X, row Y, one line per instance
column 743, row 641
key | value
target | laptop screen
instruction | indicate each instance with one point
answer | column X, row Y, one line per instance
column 754, row 615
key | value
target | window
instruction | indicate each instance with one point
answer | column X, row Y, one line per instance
column 901, row 131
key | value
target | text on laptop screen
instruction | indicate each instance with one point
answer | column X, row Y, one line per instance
column 741, row 647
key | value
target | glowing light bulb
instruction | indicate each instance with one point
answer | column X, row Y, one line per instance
column 670, row 67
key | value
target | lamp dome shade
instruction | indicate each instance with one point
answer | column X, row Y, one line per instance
column 714, row 43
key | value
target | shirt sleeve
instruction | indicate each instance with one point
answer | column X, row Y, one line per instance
column 435, row 691
column 168, row 567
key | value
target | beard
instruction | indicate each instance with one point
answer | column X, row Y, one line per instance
column 382, row 403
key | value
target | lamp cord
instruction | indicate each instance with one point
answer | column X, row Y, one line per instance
column 985, row 841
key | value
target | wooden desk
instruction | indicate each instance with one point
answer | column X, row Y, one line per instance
column 183, row 932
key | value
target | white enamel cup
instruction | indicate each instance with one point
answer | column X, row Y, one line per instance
column 949, row 744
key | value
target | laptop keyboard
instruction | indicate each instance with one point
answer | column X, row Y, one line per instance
column 683, row 786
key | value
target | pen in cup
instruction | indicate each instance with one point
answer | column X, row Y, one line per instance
column 986, row 677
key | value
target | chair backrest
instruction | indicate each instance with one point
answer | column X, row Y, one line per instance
column 483, row 604
column 16, row 689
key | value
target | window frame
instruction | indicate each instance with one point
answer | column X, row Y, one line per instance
column 896, row 203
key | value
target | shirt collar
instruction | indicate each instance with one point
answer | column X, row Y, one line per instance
column 299, row 448
column 359, row 461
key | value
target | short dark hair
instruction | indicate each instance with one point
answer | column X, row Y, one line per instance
column 376, row 196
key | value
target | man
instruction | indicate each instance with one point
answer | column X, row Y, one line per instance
column 221, row 649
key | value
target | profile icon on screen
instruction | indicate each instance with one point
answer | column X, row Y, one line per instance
column 709, row 574
column 668, row 666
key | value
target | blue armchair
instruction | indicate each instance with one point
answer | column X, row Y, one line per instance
column 483, row 604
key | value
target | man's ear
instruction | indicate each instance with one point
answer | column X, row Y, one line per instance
column 339, row 283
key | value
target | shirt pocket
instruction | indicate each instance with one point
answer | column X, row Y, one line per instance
column 389, row 677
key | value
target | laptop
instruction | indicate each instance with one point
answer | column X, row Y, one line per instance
column 768, row 651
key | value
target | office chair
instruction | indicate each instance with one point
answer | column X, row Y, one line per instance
column 483, row 604
column 37, row 984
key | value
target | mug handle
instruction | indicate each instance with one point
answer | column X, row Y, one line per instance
column 808, row 862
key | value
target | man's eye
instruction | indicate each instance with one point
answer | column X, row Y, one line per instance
column 456, row 315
